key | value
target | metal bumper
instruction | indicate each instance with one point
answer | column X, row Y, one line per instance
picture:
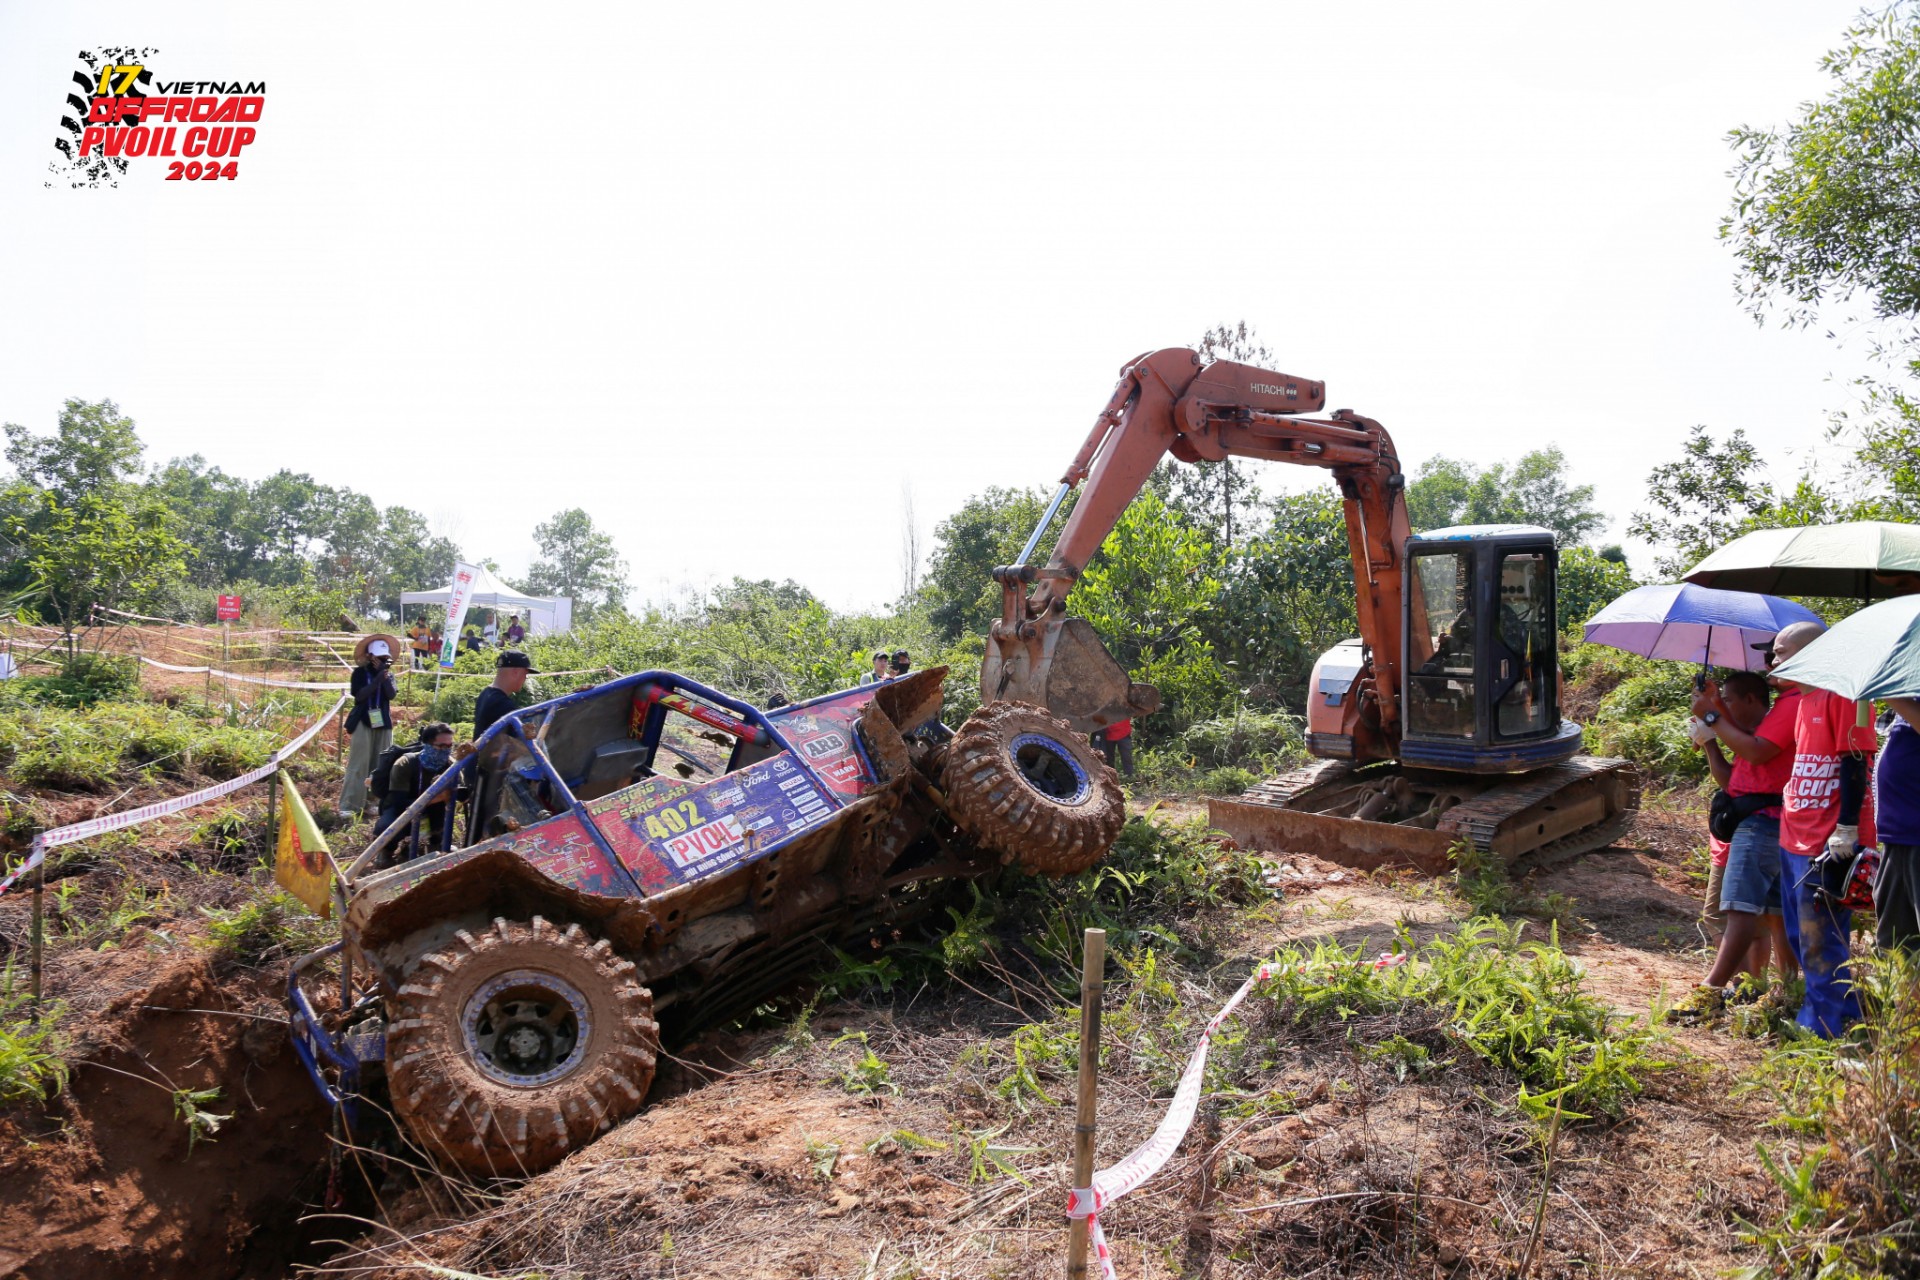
column 336, row 1064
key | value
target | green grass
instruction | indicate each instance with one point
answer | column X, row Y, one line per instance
column 1847, row 1161
column 31, row 1065
column 275, row 926
column 108, row 744
column 1513, row 1004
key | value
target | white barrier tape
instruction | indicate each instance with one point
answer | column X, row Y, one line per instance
column 235, row 675
column 1151, row 1156
column 162, row 808
column 488, row 675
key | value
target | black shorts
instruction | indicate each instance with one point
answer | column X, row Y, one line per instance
column 1896, row 898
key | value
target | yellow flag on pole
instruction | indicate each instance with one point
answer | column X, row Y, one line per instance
column 301, row 863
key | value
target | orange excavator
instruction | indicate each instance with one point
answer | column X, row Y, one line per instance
column 1440, row 724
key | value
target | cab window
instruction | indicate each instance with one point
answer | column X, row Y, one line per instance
column 1440, row 682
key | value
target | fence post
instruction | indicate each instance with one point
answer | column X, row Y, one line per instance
column 39, row 926
column 1093, row 966
column 273, row 825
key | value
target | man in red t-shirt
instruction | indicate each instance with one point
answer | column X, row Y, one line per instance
column 1828, row 807
column 1115, row 743
column 1760, row 739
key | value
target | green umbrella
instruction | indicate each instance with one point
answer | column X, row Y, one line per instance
column 1874, row 653
column 1838, row 560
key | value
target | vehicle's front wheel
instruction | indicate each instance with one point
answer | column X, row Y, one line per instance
column 1027, row 786
column 512, row 1045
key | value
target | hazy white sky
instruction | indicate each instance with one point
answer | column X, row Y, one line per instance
column 733, row 279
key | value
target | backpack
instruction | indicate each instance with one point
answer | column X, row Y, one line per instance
column 383, row 769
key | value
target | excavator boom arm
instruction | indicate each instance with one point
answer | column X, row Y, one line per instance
column 1167, row 402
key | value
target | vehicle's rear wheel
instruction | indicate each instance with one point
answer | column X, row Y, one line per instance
column 512, row 1045
column 1027, row 786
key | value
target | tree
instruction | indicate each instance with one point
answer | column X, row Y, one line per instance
column 1441, row 494
column 1220, row 497
column 576, row 559
column 79, row 534
column 214, row 517
column 987, row 531
column 1289, row 596
column 1586, row 582
column 1827, row 207
column 1533, row 490
column 1713, row 493
column 1151, row 595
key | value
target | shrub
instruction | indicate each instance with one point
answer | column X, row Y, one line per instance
column 30, row 1063
column 273, row 927
column 68, row 753
column 82, row 681
column 1643, row 716
column 1850, row 1159
column 1229, row 781
column 1516, row 1005
column 1260, row 740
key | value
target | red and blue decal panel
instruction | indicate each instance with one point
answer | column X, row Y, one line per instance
column 822, row 733
column 562, row 850
column 670, row 831
column 559, row 847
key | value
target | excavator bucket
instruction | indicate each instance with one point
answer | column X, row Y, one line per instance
column 1066, row 669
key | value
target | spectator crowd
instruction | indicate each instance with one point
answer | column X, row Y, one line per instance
column 1814, row 818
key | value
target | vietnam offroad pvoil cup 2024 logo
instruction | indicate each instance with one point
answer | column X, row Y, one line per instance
column 118, row 111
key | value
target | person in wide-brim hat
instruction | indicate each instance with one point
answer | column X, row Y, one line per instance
column 366, row 642
column 369, row 722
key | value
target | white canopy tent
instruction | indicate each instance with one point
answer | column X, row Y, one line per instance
column 541, row 615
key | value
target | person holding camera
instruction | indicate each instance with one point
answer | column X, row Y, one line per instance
column 370, row 721
column 1747, row 818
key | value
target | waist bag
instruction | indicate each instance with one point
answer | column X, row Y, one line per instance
column 1725, row 813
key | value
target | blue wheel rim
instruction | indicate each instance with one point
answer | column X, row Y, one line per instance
column 1046, row 765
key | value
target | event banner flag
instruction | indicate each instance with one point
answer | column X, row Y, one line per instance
column 459, row 596
column 300, row 863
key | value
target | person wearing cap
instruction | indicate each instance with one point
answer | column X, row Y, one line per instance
column 370, row 722
column 510, row 672
column 879, row 671
column 901, row 663
column 1827, row 808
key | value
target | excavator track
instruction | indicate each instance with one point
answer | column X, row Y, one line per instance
column 1548, row 806
column 1548, row 815
column 1296, row 785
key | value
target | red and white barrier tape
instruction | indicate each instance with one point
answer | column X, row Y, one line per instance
column 1151, row 1156
column 162, row 808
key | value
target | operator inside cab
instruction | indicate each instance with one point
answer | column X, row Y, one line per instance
column 1468, row 679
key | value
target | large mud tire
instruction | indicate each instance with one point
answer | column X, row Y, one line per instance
column 1028, row 787
column 515, row 1044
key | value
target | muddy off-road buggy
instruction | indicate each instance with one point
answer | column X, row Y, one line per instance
column 652, row 850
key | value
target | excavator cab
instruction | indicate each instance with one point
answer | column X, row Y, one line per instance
column 1481, row 680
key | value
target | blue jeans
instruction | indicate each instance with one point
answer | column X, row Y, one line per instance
column 1752, row 880
column 1817, row 932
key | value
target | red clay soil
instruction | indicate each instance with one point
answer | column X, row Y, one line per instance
column 101, row 1182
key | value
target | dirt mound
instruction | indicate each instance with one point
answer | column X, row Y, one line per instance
column 105, row 1181
column 766, row 1176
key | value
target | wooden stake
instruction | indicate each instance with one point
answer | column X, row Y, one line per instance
column 273, row 824
column 1093, row 967
column 39, row 928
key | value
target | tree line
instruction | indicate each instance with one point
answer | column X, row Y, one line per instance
column 84, row 523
